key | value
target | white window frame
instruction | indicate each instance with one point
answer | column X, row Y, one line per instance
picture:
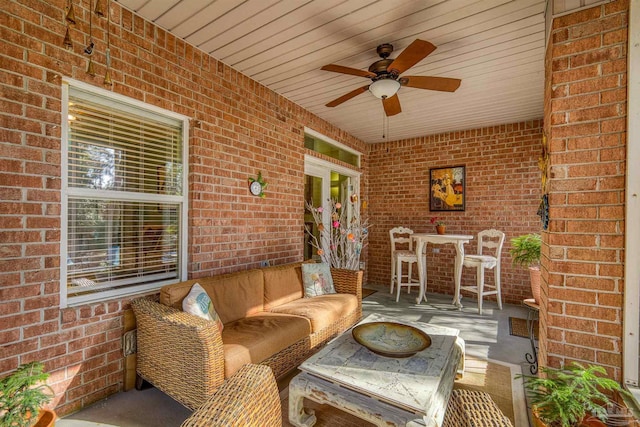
column 66, row 301
column 335, row 143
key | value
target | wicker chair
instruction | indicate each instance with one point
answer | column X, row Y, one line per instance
column 473, row 409
column 248, row 399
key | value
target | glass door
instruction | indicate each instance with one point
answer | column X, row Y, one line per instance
column 325, row 181
column 313, row 196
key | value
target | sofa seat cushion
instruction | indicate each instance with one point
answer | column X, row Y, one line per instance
column 258, row 337
column 323, row 311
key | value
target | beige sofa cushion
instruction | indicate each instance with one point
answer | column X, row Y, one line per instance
column 281, row 285
column 234, row 295
column 323, row 311
column 256, row 338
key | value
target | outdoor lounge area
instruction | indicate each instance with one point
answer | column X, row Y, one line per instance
column 486, row 338
column 179, row 178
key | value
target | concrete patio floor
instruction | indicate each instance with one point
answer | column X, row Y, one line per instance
column 486, row 337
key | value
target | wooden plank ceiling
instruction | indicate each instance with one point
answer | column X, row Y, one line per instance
column 495, row 46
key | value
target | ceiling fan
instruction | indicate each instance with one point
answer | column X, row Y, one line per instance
column 385, row 76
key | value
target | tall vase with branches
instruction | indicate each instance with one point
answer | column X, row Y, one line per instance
column 340, row 242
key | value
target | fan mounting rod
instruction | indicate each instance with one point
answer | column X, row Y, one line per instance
column 384, row 50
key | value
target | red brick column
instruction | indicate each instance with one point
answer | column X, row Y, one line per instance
column 585, row 110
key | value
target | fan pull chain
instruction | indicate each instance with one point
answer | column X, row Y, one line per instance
column 385, row 126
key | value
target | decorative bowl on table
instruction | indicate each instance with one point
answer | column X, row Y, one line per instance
column 391, row 339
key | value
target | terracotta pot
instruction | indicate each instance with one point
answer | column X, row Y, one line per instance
column 535, row 276
column 587, row 421
column 536, row 419
column 592, row 422
column 46, row 418
column 440, row 229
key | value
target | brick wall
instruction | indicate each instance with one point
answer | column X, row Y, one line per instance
column 585, row 241
column 239, row 128
column 502, row 191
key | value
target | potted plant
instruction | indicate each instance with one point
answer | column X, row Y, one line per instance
column 570, row 397
column 440, row 224
column 525, row 252
column 23, row 394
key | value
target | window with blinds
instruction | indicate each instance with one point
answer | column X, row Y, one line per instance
column 124, row 198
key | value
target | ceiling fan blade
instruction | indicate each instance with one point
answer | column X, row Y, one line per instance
column 348, row 70
column 414, row 53
column 392, row 105
column 444, row 84
column 348, row 96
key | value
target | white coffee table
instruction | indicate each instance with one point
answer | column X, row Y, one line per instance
column 385, row 391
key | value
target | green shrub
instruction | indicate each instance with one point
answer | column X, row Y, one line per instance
column 525, row 250
column 565, row 396
column 22, row 394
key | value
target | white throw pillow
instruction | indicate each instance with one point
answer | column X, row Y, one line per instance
column 199, row 304
column 317, row 280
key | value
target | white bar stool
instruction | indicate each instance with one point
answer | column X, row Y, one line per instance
column 401, row 236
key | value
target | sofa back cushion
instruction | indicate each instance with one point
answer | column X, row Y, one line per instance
column 282, row 284
column 234, row 295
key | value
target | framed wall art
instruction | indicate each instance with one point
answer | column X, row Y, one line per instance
column 447, row 189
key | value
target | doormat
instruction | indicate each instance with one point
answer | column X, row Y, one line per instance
column 518, row 327
column 366, row 292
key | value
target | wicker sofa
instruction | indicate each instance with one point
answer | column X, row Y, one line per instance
column 266, row 321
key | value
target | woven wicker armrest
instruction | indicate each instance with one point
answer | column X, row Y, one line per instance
column 178, row 353
column 248, row 399
column 347, row 281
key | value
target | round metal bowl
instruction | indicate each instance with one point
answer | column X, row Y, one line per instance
column 391, row 339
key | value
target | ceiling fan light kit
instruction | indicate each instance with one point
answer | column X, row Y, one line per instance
column 385, row 76
column 384, row 88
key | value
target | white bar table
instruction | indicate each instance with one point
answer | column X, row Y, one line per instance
column 458, row 241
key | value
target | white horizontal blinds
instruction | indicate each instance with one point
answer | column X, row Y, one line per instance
column 116, row 243
column 114, row 149
column 124, row 173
